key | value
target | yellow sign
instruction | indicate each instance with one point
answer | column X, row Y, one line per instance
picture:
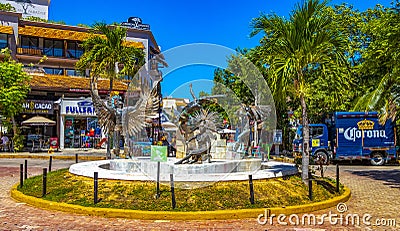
column 315, row 143
column 365, row 125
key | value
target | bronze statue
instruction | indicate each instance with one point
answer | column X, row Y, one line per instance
column 204, row 125
column 129, row 120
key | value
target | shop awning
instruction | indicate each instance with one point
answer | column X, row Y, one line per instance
column 38, row 121
column 168, row 126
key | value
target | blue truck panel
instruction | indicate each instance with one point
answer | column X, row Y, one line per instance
column 359, row 134
column 351, row 135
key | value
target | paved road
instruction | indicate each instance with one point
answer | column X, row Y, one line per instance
column 375, row 191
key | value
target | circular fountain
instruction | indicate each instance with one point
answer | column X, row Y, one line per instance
column 143, row 169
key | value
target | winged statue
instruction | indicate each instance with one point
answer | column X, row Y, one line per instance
column 203, row 126
column 128, row 120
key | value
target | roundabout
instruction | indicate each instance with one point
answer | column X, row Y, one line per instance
column 236, row 185
column 177, row 215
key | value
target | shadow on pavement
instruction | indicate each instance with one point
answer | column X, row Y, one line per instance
column 390, row 177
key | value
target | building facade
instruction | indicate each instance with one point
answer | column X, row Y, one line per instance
column 58, row 91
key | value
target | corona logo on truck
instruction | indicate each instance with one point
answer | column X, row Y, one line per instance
column 351, row 135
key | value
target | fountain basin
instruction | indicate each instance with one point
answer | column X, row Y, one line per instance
column 143, row 169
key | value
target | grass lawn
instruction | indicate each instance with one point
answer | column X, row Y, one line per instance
column 63, row 186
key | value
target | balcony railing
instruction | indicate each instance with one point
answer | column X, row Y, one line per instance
column 29, row 51
column 70, row 54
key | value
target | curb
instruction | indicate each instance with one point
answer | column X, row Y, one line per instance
column 172, row 215
column 59, row 157
column 284, row 159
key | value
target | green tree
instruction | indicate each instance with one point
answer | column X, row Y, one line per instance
column 233, row 82
column 83, row 25
column 381, row 61
column 105, row 52
column 294, row 50
column 14, row 87
column 38, row 19
column 7, row 7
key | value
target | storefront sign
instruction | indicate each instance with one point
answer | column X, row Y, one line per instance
column 77, row 107
column 136, row 23
column 38, row 107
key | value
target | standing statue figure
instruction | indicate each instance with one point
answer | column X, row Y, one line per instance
column 205, row 125
column 118, row 126
column 252, row 131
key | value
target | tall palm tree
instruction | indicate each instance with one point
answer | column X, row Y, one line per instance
column 104, row 53
column 294, row 50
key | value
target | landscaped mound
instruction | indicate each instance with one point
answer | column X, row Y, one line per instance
column 63, row 186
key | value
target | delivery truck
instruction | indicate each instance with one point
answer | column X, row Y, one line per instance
column 350, row 136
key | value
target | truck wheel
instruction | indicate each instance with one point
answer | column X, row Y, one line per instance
column 321, row 158
column 377, row 159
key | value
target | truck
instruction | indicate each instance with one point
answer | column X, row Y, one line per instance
column 349, row 136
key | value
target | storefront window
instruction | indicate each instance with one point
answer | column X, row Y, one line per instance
column 81, row 132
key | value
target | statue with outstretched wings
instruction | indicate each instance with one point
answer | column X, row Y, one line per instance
column 129, row 120
column 134, row 117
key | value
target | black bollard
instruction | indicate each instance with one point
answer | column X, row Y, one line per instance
column 76, row 158
column 337, row 177
column 322, row 170
column 50, row 162
column 21, row 175
column 44, row 182
column 158, row 180
column 171, row 176
column 251, row 189
column 310, row 189
column 26, row 170
column 96, row 185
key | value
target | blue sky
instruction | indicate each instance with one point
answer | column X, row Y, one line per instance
column 176, row 23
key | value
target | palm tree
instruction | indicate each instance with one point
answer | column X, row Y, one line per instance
column 295, row 50
column 105, row 52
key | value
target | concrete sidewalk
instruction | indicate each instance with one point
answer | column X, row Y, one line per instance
column 83, row 154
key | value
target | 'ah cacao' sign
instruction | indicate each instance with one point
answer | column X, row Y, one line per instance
column 32, row 106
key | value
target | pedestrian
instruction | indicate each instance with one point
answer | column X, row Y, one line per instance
column 5, row 142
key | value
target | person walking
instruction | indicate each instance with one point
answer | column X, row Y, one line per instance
column 5, row 142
